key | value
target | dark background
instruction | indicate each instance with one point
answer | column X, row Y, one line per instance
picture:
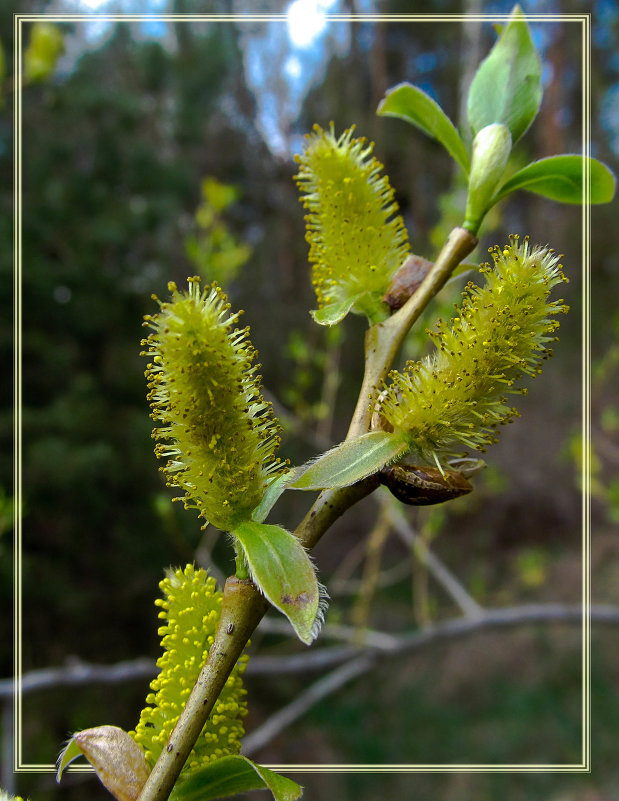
column 115, row 147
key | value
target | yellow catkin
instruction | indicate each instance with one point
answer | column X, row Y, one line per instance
column 457, row 396
column 357, row 240
column 218, row 433
column 190, row 609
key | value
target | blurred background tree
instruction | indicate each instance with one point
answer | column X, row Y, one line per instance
column 117, row 145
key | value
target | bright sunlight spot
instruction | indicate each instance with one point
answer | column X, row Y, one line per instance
column 306, row 20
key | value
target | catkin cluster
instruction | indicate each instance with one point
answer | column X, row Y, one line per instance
column 218, row 434
column 191, row 608
column 356, row 244
column 457, row 396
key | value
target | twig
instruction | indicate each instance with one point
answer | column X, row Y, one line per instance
column 386, row 578
column 306, row 700
column 375, row 639
column 371, row 568
column 80, row 673
column 439, row 570
column 407, row 643
column 242, row 609
column 383, row 340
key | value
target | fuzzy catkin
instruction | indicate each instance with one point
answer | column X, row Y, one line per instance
column 219, row 435
column 457, row 396
column 191, row 608
column 356, row 242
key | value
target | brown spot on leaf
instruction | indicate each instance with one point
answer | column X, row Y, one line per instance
column 301, row 599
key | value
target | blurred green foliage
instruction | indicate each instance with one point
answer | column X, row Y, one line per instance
column 45, row 47
column 215, row 251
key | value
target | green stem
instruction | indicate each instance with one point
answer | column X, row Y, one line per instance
column 243, row 606
column 383, row 340
column 242, row 609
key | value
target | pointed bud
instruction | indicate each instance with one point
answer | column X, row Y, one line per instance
column 491, row 149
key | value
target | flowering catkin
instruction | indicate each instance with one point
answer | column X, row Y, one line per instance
column 191, row 608
column 356, row 245
column 218, row 433
column 456, row 396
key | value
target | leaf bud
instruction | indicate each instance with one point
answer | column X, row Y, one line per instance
column 491, row 149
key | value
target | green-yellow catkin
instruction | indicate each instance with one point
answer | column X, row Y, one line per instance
column 457, row 396
column 356, row 242
column 191, row 608
column 219, row 435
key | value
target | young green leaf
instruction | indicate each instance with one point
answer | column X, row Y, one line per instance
column 351, row 461
column 410, row 103
column 231, row 775
column 271, row 496
column 507, row 86
column 333, row 313
column 45, row 47
column 491, row 149
column 281, row 568
column 70, row 752
column 561, row 178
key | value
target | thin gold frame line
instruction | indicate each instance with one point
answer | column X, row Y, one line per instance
column 586, row 383
column 17, row 709
column 76, row 17
column 584, row 20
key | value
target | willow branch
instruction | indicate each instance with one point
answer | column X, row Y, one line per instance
column 242, row 610
column 383, row 341
column 436, row 566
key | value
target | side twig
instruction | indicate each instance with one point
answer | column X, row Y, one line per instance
column 412, row 641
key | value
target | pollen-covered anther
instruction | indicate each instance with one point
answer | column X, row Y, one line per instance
column 356, row 244
column 191, row 608
column 217, row 432
column 453, row 397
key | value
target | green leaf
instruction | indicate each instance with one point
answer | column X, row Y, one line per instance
column 351, row 461
column 333, row 313
column 271, row 496
column 70, row 752
column 234, row 774
column 280, row 566
column 507, row 86
column 410, row 103
column 561, row 178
